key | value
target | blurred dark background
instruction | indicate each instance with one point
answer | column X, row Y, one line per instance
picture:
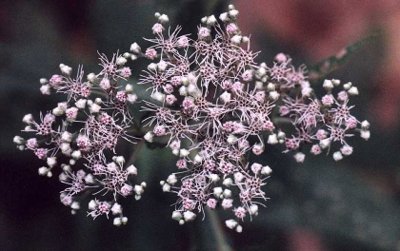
column 319, row 205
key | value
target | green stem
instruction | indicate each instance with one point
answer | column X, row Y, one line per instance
column 216, row 228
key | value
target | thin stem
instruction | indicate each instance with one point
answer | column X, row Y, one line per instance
column 221, row 240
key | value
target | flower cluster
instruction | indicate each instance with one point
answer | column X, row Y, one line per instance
column 217, row 107
column 320, row 123
column 210, row 101
column 81, row 134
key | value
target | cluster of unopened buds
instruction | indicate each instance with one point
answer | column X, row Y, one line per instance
column 212, row 104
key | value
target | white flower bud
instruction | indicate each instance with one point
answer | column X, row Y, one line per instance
column 166, row 187
column 197, row 159
column 256, row 168
column 66, row 136
column 225, row 97
column 160, row 97
column 66, row 168
column 227, row 182
column 43, row 81
column 233, row 13
column 325, row 143
column 18, row 140
column 92, row 205
column 94, row 108
column 211, row 20
column 365, row 125
column 253, row 209
column 328, row 85
column 214, row 177
column 138, row 189
column 131, row 170
column 152, row 67
column 306, row 91
column 149, row 136
column 274, row 95
column 124, row 220
column 75, row 205
column 81, row 103
column 266, row 170
column 365, row 134
column 116, row 209
column 176, row 215
column 224, row 17
column 272, row 139
column 353, row 91
column 281, row 135
column 121, row 61
column 65, row 69
column 163, row 18
column 227, row 193
column 91, row 77
column 183, row 91
column 231, row 223
column 105, row 83
column 299, row 157
column 43, row 170
column 117, row 221
column 129, row 88
column 58, row 111
column 162, row 65
column 193, row 90
column 336, row 82
column 27, row 119
column 51, row 161
column 236, row 39
column 238, row 177
column 184, row 80
column 271, row 86
column 172, row 179
column 184, row 152
column 189, row 216
column 135, row 48
column 89, row 179
column 232, row 139
column 132, row 98
column 45, row 89
column 226, row 203
column 76, row 154
column 337, row 156
column 119, row 160
column 98, row 101
column 347, row 85
column 217, row 191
